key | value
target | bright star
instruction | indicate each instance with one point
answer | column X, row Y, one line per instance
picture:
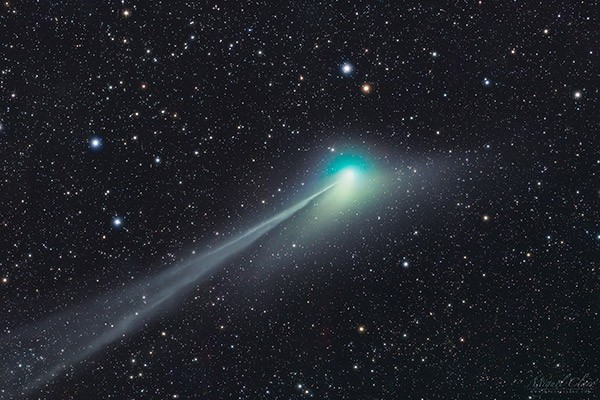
column 95, row 143
column 347, row 68
column 366, row 88
column 117, row 222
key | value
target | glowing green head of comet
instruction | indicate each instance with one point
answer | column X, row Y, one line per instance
column 354, row 178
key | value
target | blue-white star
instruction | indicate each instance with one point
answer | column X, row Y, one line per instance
column 117, row 222
column 95, row 143
column 347, row 68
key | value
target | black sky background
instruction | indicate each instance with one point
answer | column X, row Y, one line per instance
column 242, row 101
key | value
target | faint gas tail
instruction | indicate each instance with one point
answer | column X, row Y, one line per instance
column 36, row 354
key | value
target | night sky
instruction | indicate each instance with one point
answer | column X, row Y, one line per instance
column 137, row 136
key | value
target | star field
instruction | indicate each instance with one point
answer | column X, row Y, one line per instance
column 136, row 135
